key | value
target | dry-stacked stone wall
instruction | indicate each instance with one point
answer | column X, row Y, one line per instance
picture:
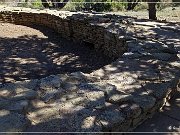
column 117, row 97
column 77, row 26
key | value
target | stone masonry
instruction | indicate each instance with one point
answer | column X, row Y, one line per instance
column 117, row 97
column 75, row 26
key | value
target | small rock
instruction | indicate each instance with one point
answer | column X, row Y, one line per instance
column 4, row 103
column 43, row 114
column 145, row 102
column 18, row 106
column 69, row 86
column 85, row 120
column 118, row 97
column 105, row 87
column 32, row 84
column 131, row 55
column 130, row 110
column 7, row 90
column 24, row 93
column 50, row 82
column 111, row 119
column 162, row 56
column 149, row 74
column 51, row 95
column 159, row 90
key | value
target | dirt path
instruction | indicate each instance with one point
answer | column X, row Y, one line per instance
column 29, row 53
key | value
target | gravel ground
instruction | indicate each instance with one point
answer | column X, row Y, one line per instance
column 34, row 52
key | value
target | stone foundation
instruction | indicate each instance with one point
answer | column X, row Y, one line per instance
column 73, row 26
column 115, row 98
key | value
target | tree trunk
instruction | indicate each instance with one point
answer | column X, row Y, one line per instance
column 45, row 3
column 132, row 4
column 152, row 9
column 63, row 4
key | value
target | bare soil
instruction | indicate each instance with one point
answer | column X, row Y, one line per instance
column 170, row 14
column 35, row 52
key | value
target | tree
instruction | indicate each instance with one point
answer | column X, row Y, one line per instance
column 152, row 9
column 131, row 4
column 45, row 3
column 151, row 5
column 55, row 3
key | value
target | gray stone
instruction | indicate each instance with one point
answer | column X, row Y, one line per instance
column 162, row 56
column 134, row 47
column 168, row 50
column 43, row 113
column 50, row 82
column 24, row 93
column 105, row 87
column 149, row 74
column 12, row 122
column 63, row 77
column 131, row 55
column 75, row 78
column 167, row 76
column 139, row 120
column 51, row 95
column 69, row 86
column 145, row 102
column 172, row 107
column 130, row 110
column 123, row 127
column 118, row 97
column 88, row 99
column 173, row 28
column 32, row 84
column 159, row 90
column 95, row 99
column 79, row 77
column 150, row 45
column 110, row 119
column 4, row 103
column 84, row 120
column 7, row 90
column 78, row 100
column 18, row 106
column 12, row 92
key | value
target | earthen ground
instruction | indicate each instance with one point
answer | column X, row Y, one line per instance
column 35, row 52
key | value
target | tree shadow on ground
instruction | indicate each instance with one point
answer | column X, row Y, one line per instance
column 129, row 72
column 31, row 57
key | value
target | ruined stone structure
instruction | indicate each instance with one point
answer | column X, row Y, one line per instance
column 117, row 97
column 76, row 26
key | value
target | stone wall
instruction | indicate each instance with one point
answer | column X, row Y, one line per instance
column 117, row 97
column 88, row 27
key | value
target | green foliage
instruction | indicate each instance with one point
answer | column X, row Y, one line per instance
column 31, row 4
column 99, row 5
column 37, row 4
column 74, row 5
column 104, row 6
column 141, row 6
column 118, row 6
column 96, row 5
